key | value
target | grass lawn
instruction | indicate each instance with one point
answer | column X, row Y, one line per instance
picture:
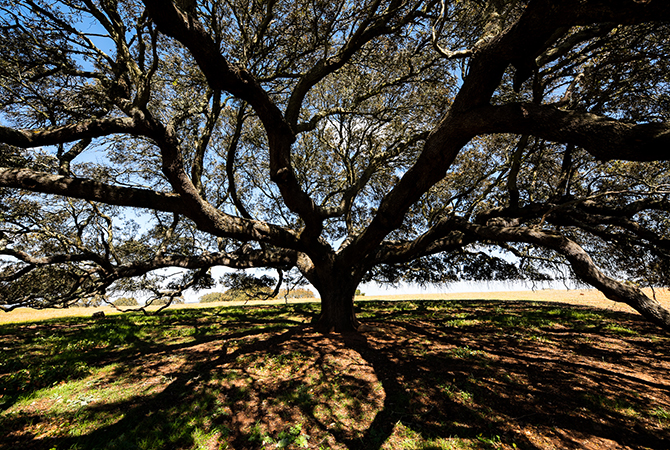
column 430, row 375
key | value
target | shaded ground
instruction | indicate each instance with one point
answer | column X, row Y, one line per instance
column 429, row 375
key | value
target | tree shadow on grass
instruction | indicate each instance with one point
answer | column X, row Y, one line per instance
column 572, row 385
column 39, row 355
column 427, row 377
column 166, row 419
column 433, row 419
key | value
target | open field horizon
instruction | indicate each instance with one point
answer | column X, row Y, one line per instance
column 582, row 297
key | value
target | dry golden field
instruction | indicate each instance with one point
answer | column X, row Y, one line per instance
column 584, row 297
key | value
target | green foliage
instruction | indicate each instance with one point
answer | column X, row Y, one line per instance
column 243, row 295
column 450, row 267
column 289, row 437
column 663, row 415
column 242, row 281
column 243, row 286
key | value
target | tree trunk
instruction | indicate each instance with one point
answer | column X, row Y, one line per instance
column 337, row 306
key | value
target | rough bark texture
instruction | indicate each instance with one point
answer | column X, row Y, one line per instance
column 336, row 284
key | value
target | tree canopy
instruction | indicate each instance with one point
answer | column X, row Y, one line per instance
column 376, row 140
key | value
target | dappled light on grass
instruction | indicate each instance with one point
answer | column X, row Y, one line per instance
column 429, row 375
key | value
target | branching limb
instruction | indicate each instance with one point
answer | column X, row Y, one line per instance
column 90, row 190
column 231, row 155
column 66, row 158
column 204, row 139
column 436, row 29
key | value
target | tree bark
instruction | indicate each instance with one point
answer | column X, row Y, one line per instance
column 337, row 309
column 337, row 287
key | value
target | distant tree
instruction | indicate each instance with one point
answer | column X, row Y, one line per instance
column 236, row 294
column 162, row 301
column 296, row 293
column 386, row 140
column 126, row 301
column 91, row 301
column 212, row 297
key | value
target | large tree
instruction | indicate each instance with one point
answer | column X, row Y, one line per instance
column 382, row 139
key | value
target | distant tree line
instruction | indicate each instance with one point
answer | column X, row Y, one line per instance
column 233, row 294
column 132, row 301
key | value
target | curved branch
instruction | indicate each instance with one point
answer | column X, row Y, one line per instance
column 369, row 28
column 54, row 259
column 206, row 216
column 581, row 264
column 243, row 259
column 220, row 74
column 212, row 116
column 430, row 243
column 573, row 40
column 230, row 162
column 471, row 114
column 437, row 28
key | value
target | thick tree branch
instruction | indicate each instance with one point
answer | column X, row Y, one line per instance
column 369, row 28
column 436, row 240
column 205, row 215
column 601, row 136
column 231, row 155
column 90, row 190
column 220, row 74
column 69, row 133
column 243, row 259
column 469, row 114
column 210, row 220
